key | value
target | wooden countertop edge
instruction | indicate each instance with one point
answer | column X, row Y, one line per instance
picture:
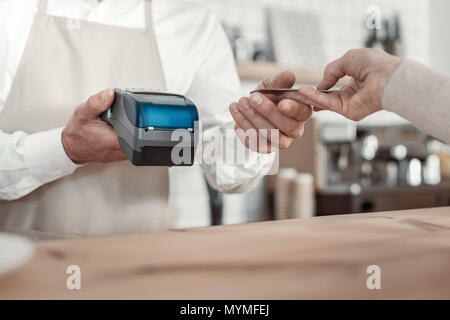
column 323, row 257
column 393, row 213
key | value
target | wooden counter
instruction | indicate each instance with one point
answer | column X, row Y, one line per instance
column 322, row 257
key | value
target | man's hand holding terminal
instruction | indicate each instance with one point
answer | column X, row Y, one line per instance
column 87, row 138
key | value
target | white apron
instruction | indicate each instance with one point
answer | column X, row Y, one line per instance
column 63, row 64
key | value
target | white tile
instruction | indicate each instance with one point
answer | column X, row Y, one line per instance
column 342, row 20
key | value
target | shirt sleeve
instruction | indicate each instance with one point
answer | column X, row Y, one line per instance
column 421, row 96
column 216, row 84
column 28, row 161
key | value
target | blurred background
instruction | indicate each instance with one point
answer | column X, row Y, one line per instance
column 381, row 163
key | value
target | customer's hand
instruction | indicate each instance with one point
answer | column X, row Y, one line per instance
column 370, row 71
column 86, row 137
column 265, row 113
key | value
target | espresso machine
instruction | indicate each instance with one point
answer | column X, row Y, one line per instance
column 367, row 169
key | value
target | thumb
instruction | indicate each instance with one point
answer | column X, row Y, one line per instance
column 332, row 73
column 98, row 103
column 282, row 80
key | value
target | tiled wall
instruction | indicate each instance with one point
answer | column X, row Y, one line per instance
column 343, row 21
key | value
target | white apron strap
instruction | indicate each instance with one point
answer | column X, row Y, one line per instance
column 43, row 6
column 148, row 17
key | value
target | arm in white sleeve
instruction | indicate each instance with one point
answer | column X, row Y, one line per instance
column 421, row 96
column 231, row 177
column 28, row 161
column 215, row 86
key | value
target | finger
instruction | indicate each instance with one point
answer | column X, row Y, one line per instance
column 269, row 110
column 299, row 111
column 111, row 137
column 241, row 121
column 321, row 99
column 302, row 99
column 265, row 147
column 317, row 109
column 112, row 155
column 97, row 104
column 109, row 150
column 257, row 120
column 296, row 96
column 117, row 155
column 248, row 134
column 282, row 80
column 332, row 73
column 276, row 140
column 355, row 103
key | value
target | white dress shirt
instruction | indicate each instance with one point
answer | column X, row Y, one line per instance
column 196, row 61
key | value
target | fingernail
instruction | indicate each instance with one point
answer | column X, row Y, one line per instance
column 105, row 94
column 256, row 99
column 287, row 107
column 245, row 105
column 271, row 79
column 234, row 108
column 321, row 85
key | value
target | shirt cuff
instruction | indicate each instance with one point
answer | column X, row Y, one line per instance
column 46, row 155
column 408, row 88
column 236, row 178
column 420, row 95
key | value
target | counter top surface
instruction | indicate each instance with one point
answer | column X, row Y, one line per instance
column 324, row 257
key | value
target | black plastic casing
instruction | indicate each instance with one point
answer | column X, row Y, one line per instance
column 149, row 146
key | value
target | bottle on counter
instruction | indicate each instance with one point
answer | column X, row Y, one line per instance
column 376, row 38
column 388, row 37
column 397, row 37
column 387, row 40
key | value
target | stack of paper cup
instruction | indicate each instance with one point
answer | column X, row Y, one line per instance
column 294, row 195
column 284, row 182
column 303, row 197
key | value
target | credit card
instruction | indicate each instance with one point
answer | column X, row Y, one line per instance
column 281, row 91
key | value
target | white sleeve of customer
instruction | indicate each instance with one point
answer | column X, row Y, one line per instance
column 421, row 96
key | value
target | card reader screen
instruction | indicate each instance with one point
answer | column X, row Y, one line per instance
column 165, row 116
